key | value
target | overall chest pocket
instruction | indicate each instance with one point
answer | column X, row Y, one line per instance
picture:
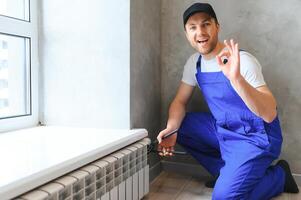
column 252, row 129
column 245, row 126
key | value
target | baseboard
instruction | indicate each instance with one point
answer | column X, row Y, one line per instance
column 184, row 168
column 154, row 171
column 297, row 178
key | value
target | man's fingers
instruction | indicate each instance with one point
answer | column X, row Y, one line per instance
column 159, row 149
column 228, row 47
column 233, row 51
column 232, row 44
column 219, row 60
column 159, row 137
column 237, row 50
column 172, row 149
column 224, row 53
column 161, row 134
column 165, row 151
column 222, row 56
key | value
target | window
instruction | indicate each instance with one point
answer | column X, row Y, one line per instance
column 18, row 9
column 14, row 76
column 18, row 64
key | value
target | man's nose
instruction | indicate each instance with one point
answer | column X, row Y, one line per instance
column 200, row 30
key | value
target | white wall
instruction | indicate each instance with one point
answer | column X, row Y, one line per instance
column 84, row 60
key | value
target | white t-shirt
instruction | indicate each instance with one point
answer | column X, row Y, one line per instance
column 250, row 69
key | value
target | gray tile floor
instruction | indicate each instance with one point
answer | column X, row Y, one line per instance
column 171, row 186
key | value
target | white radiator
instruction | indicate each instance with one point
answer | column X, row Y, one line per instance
column 123, row 175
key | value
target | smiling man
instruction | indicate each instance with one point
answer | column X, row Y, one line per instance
column 241, row 136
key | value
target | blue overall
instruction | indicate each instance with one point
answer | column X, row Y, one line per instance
column 233, row 142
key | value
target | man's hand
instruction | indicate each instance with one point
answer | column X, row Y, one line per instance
column 166, row 146
column 231, row 68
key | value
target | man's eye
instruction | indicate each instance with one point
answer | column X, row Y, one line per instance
column 207, row 24
column 192, row 28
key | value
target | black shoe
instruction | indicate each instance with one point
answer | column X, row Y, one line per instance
column 211, row 183
column 290, row 185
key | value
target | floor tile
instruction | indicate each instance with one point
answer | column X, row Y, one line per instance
column 172, row 186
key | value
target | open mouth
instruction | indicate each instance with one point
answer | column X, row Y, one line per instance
column 202, row 41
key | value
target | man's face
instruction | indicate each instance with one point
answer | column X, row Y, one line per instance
column 202, row 32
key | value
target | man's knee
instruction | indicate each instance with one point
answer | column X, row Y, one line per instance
column 224, row 191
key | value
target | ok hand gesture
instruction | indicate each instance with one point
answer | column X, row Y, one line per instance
column 231, row 68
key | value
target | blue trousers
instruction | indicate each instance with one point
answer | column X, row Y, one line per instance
column 244, row 166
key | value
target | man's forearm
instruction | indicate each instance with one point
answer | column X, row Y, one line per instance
column 263, row 104
column 176, row 114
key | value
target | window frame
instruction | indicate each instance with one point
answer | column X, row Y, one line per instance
column 27, row 29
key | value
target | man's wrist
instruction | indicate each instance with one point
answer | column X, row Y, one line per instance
column 171, row 126
column 237, row 80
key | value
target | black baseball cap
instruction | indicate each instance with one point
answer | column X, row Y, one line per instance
column 198, row 7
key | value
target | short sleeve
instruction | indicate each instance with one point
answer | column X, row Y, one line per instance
column 251, row 70
column 190, row 70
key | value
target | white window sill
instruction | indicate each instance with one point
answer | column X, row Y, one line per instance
column 34, row 156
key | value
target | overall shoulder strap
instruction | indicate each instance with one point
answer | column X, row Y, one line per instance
column 198, row 63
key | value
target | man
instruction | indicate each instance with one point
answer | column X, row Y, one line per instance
column 241, row 136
